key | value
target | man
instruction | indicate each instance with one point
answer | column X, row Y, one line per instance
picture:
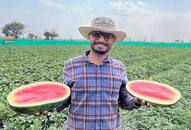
column 97, row 81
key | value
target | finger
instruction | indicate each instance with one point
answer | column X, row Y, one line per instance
column 143, row 103
column 148, row 104
column 140, row 101
column 54, row 110
column 45, row 112
column 135, row 99
column 37, row 113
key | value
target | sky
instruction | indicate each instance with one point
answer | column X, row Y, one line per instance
column 151, row 20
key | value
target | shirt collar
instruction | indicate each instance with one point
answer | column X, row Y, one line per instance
column 106, row 60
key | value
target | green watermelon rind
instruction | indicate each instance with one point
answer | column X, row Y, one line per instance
column 39, row 107
column 160, row 102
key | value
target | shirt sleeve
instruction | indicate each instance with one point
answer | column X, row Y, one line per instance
column 66, row 79
column 67, row 74
column 125, row 99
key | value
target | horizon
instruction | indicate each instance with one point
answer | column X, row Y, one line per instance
column 142, row 20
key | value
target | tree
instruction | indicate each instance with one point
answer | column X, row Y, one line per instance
column 31, row 36
column 13, row 29
column 36, row 36
column 47, row 35
column 50, row 35
column 53, row 35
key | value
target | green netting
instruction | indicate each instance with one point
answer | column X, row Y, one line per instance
column 81, row 42
column 157, row 44
column 48, row 42
column 1, row 42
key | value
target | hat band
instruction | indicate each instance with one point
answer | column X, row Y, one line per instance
column 104, row 27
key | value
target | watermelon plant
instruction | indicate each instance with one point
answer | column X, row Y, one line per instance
column 24, row 65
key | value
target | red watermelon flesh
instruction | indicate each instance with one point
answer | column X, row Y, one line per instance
column 153, row 92
column 42, row 92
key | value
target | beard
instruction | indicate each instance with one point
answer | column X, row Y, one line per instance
column 100, row 48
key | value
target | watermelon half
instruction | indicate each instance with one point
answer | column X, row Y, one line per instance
column 38, row 97
column 153, row 92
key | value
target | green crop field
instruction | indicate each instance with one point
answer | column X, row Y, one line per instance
column 28, row 64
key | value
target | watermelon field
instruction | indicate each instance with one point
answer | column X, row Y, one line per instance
column 21, row 65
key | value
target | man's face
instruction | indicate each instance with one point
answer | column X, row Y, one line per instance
column 101, row 42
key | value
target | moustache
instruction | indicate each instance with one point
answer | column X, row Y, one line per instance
column 100, row 43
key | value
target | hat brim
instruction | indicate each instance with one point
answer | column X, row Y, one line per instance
column 120, row 35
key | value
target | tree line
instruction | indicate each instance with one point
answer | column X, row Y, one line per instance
column 16, row 29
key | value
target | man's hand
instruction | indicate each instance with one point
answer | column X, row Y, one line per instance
column 140, row 102
column 45, row 112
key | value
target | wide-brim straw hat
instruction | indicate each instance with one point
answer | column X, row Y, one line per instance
column 103, row 24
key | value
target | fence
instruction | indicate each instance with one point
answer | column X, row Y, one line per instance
column 157, row 44
column 1, row 42
column 83, row 42
column 47, row 42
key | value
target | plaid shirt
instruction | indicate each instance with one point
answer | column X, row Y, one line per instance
column 97, row 93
